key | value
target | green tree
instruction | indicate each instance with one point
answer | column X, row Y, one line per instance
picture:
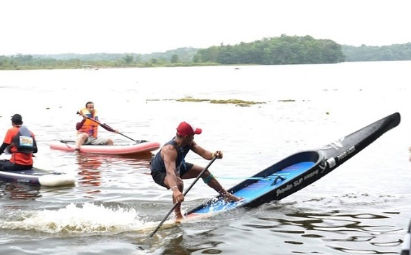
column 174, row 59
column 273, row 51
column 128, row 59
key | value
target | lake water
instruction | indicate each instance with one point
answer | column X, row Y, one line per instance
column 362, row 207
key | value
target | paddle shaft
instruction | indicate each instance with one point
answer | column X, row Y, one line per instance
column 185, row 193
column 107, row 127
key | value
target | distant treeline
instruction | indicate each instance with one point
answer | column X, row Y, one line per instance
column 269, row 51
column 377, row 53
column 178, row 57
column 274, row 51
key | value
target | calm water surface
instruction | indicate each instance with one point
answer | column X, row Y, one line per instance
column 362, row 207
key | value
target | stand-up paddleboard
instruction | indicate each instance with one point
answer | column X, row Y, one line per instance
column 296, row 171
column 137, row 148
column 37, row 176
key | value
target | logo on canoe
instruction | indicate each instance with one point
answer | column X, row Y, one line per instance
column 297, row 182
column 346, row 153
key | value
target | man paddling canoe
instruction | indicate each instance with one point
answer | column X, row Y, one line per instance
column 168, row 167
column 87, row 128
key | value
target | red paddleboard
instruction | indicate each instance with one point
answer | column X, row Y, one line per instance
column 107, row 149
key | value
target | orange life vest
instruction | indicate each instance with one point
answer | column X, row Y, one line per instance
column 18, row 156
column 90, row 127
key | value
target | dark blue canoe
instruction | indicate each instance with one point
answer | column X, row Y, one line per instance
column 297, row 171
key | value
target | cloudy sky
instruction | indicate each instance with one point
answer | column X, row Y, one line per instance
column 144, row 26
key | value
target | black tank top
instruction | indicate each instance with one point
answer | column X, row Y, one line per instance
column 157, row 163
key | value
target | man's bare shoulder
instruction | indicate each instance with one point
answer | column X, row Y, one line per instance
column 168, row 149
column 168, row 153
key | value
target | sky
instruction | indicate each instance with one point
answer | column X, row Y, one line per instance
column 145, row 26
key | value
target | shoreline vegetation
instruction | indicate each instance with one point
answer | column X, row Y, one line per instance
column 283, row 50
column 237, row 102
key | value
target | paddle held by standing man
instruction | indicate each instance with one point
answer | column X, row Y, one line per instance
column 168, row 167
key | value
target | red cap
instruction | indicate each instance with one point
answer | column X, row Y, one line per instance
column 185, row 129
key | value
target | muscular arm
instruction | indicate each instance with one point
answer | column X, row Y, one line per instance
column 201, row 151
column 170, row 156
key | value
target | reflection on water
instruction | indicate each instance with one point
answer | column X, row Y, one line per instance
column 180, row 246
column 91, row 167
column 89, row 170
column 291, row 230
column 177, row 241
column 14, row 190
column 351, row 233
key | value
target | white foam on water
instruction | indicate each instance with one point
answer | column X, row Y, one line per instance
column 85, row 218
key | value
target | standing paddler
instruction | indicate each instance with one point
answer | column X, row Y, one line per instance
column 168, row 167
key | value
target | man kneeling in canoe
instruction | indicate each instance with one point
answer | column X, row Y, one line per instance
column 168, row 166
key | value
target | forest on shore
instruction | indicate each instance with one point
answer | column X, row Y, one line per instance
column 283, row 50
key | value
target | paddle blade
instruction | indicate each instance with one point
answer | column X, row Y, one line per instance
column 107, row 127
column 67, row 141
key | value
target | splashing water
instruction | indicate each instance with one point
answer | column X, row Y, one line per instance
column 76, row 219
